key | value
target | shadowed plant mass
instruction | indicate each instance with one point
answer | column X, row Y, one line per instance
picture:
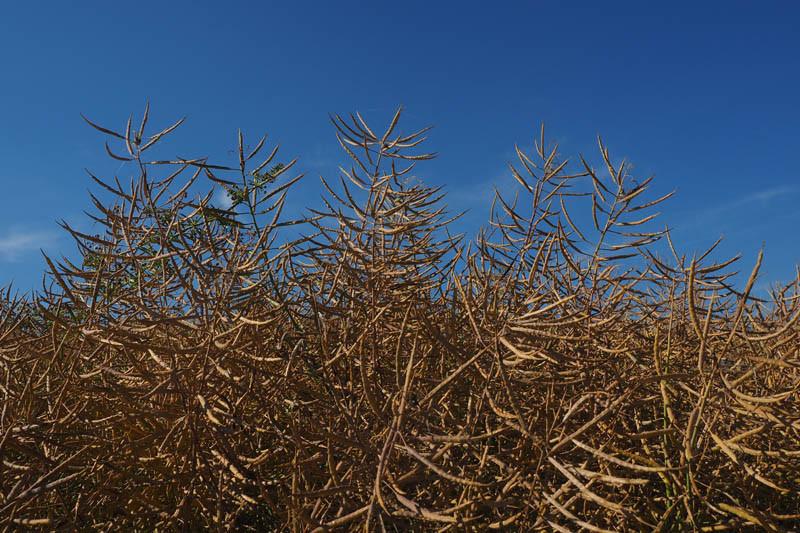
column 362, row 368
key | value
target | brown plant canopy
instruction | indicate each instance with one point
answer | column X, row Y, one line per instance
column 363, row 369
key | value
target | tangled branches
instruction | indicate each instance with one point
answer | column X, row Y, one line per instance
column 208, row 367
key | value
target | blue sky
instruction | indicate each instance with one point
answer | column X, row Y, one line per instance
column 703, row 95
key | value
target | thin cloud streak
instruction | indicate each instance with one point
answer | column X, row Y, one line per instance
column 699, row 228
column 222, row 199
column 714, row 213
column 16, row 243
column 762, row 197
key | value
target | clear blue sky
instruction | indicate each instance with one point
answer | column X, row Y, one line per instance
column 705, row 95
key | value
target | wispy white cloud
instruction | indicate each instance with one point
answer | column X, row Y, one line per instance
column 222, row 199
column 769, row 194
column 762, row 197
column 15, row 243
column 759, row 205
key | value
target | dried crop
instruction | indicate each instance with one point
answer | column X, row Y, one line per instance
column 363, row 369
